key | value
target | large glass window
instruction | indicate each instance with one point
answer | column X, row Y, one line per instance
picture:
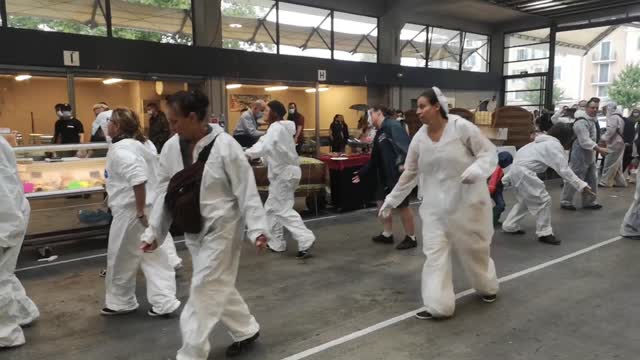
column 77, row 17
column 305, row 31
column 444, row 48
column 355, row 37
column 528, row 92
column 153, row 20
column 249, row 25
column 603, row 73
column 413, row 45
column 526, row 52
column 475, row 55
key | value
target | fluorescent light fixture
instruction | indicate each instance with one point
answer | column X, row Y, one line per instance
column 111, row 81
column 312, row 90
column 276, row 88
column 234, row 86
column 235, row 26
column 22, row 77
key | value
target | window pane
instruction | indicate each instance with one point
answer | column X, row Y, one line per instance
column 305, row 31
column 152, row 20
column 522, row 98
column 476, row 53
column 356, row 37
column 249, row 25
column 526, row 67
column 526, row 37
column 528, row 52
column 603, row 73
column 77, row 17
column 413, row 42
column 444, row 48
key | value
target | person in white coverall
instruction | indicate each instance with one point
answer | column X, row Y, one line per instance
column 612, row 172
column 16, row 309
column 278, row 149
column 532, row 159
column 630, row 227
column 228, row 196
column 130, row 184
column 454, row 161
column 582, row 158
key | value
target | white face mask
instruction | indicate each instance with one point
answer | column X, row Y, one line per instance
column 150, row 113
column 66, row 114
column 59, row 113
column 292, row 111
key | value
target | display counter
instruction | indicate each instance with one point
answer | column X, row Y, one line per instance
column 66, row 194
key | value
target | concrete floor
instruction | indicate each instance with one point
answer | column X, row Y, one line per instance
column 583, row 307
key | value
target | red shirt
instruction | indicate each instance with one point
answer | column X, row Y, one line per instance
column 495, row 179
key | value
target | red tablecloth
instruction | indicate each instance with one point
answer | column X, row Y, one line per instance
column 351, row 161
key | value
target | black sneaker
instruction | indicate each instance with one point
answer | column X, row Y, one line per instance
column 155, row 314
column 381, row 239
column 275, row 251
column 489, row 298
column 304, row 254
column 593, row 207
column 549, row 239
column 519, row 232
column 108, row 312
column 239, row 347
column 424, row 315
column 407, row 243
column 568, row 207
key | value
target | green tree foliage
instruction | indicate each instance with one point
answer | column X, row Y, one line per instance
column 239, row 9
column 35, row 23
column 536, row 98
column 625, row 90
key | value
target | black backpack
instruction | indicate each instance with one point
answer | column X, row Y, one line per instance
column 629, row 133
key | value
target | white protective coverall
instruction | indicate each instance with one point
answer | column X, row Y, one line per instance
column 631, row 223
column 582, row 160
column 612, row 172
column 228, row 196
column 534, row 158
column 454, row 215
column 278, row 149
column 130, row 163
column 16, row 309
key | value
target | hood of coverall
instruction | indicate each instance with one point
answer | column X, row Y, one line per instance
column 504, row 159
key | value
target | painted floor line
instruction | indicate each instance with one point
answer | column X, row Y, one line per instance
column 397, row 319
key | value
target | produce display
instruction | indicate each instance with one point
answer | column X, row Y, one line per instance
column 55, row 176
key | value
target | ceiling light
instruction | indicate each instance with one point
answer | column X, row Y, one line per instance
column 111, row 81
column 276, row 88
column 234, row 86
column 312, row 90
column 22, row 77
column 235, row 26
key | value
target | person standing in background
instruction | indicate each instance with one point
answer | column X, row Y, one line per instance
column 339, row 134
column 298, row 119
column 98, row 126
column 246, row 132
column 403, row 122
column 159, row 131
column 613, row 139
column 68, row 129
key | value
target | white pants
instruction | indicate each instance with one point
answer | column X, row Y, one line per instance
column 470, row 236
column 612, row 172
column 631, row 223
column 280, row 212
column 213, row 295
column 533, row 199
column 16, row 309
column 170, row 248
column 124, row 259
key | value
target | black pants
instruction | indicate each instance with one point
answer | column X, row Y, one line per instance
column 627, row 157
column 499, row 207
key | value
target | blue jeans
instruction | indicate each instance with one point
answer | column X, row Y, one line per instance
column 499, row 206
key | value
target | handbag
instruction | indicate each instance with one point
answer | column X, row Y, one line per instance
column 183, row 194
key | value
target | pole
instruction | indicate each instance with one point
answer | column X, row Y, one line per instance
column 317, row 119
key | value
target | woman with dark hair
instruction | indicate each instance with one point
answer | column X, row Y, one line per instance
column 453, row 160
column 228, row 195
column 339, row 134
column 131, row 185
column 298, row 119
column 277, row 148
column 546, row 151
